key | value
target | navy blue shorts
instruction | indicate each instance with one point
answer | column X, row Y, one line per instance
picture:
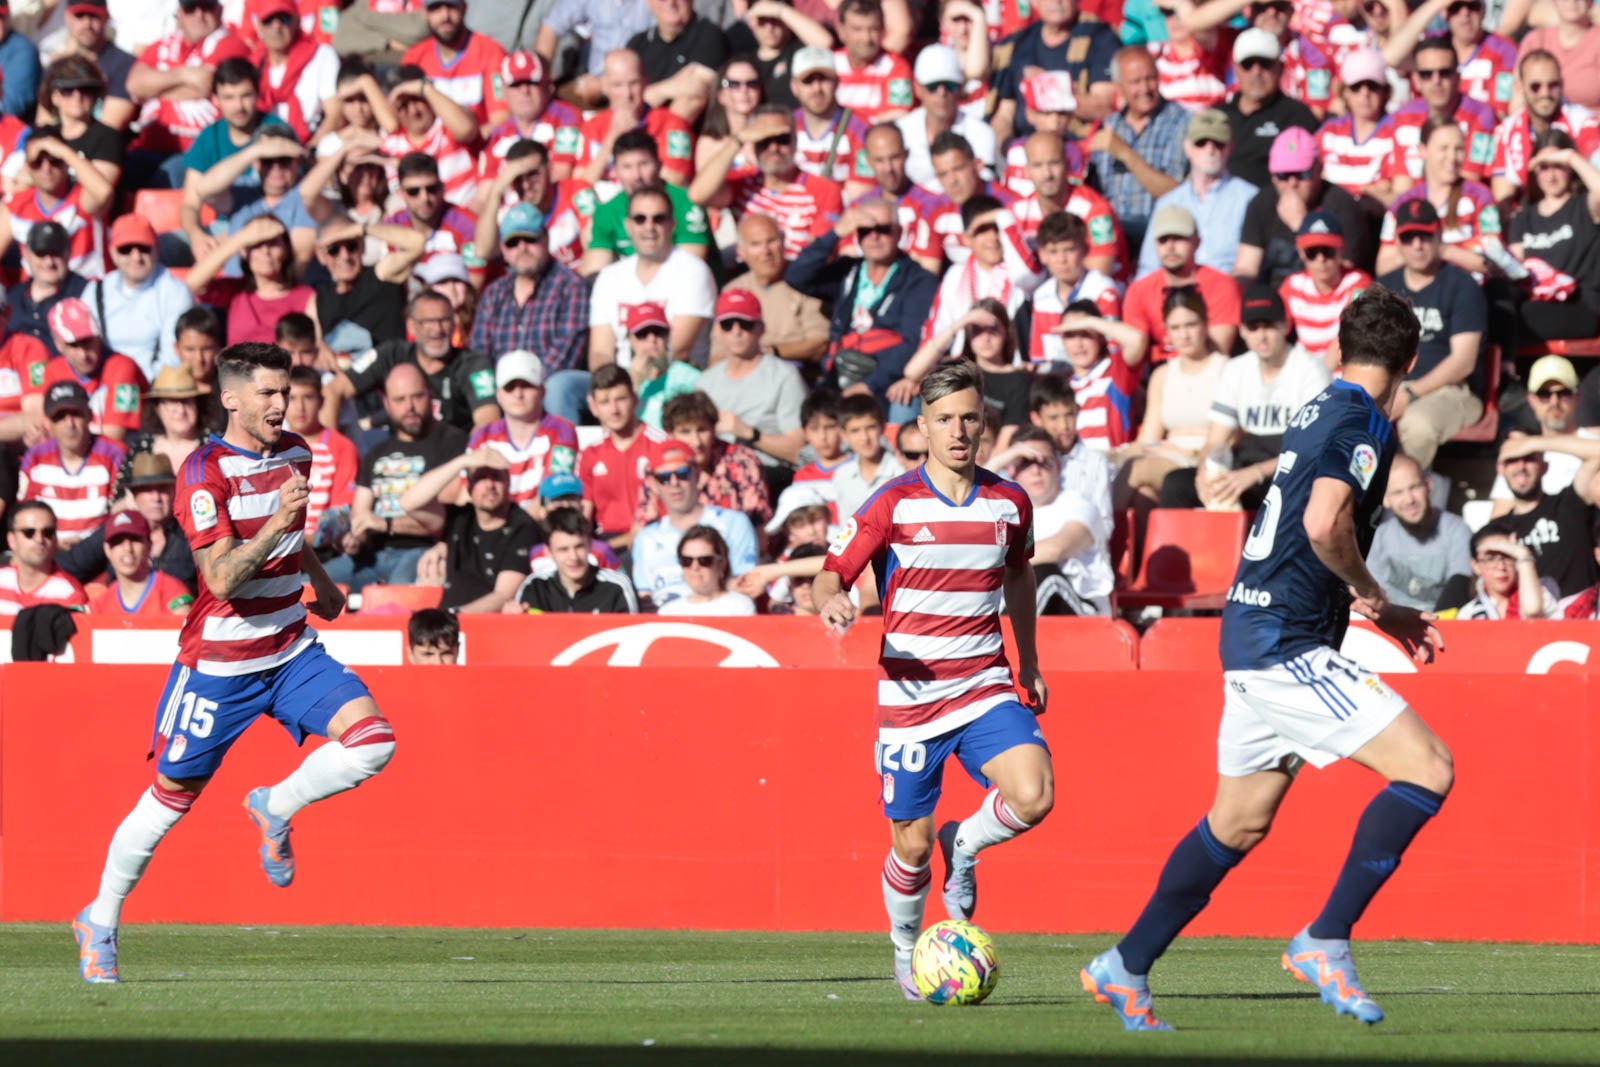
column 202, row 715
column 913, row 773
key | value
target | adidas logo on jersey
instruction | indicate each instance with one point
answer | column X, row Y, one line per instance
column 924, row 537
column 246, row 487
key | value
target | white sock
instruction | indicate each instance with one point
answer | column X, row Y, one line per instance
column 334, row 768
column 135, row 841
column 905, row 894
column 992, row 823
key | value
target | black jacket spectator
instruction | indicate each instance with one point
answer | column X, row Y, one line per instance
column 601, row 593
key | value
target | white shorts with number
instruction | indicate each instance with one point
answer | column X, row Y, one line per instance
column 1319, row 707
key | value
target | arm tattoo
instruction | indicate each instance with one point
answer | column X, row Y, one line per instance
column 229, row 563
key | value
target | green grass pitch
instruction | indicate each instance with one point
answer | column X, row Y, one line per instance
column 197, row 995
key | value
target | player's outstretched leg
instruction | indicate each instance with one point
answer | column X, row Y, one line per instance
column 135, row 841
column 362, row 750
column 905, row 897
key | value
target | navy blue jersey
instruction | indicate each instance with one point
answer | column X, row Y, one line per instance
column 1284, row 600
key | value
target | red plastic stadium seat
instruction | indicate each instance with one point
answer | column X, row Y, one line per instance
column 1188, row 559
column 1586, row 347
column 160, row 207
column 397, row 599
column 1488, row 427
column 1125, row 546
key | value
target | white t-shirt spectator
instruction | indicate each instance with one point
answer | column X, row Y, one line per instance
column 1245, row 401
column 319, row 81
column 729, row 603
column 1090, row 571
column 683, row 285
column 656, row 573
column 919, row 161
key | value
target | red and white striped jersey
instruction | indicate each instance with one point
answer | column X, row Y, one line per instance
column 1014, row 164
column 1314, row 20
column 881, row 86
column 948, row 228
column 674, row 141
column 334, row 466
column 556, row 128
column 114, row 392
column 23, row 359
column 457, row 167
column 172, row 125
column 1350, row 164
column 59, row 588
column 1477, row 217
column 1199, row 79
column 819, row 479
column 962, row 286
column 1490, row 74
column 86, row 251
column 849, row 157
column 1105, row 395
column 804, row 210
column 1105, row 232
column 553, row 446
column 223, row 492
column 79, row 493
column 1477, row 124
column 1050, row 305
column 471, row 79
column 1315, row 314
column 1307, row 73
column 941, row 570
column 1513, row 140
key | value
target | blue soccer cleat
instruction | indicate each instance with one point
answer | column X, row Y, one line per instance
column 1327, row 965
column 277, row 856
column 904, row 978
column 1109, row 982
column 960, row 875
column 97, row 950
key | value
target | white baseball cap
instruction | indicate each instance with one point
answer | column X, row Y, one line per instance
column 811, row 59
column 938, row 63
column 518, row 366
column 1256, row 43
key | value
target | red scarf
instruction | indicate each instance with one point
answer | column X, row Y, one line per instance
column 280, row 100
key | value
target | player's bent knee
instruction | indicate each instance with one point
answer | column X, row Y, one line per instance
column 1032, row 801
column 1240, row 832
column 369, row 743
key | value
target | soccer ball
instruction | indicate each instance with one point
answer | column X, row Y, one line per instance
column 955, row 962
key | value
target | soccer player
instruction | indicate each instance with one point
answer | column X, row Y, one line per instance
column 1290, row 698
column 946, row 539
column 245, row 649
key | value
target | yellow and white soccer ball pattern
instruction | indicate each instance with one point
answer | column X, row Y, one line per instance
column 955, row 962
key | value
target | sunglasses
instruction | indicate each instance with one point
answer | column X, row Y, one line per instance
column 676, row 474
column 351, row 247
column 650, row 331
column 79, row 90
column 880, row 229
column 641, row 219
column 279, row 161
column 1463, row 5
column 1258, row 63
column 783, row 141
column 1428, row 74
column 816, row 79
column 280, row 17
column 128, row 250
column 729, row 325
column 43, row 533
column 513, row 243
column 1210, row 142
column 1415, row 237
column 1320, row 252
column 1555, row 394
column 1367, row 87
column 707, row 562
column 1375, row 7
column 1543, row 87
column 431, row 189
column 1293, row 175
column 44, row 159
column 916, row 457
column 736, row 83
column 987, row 329
column 943, row 87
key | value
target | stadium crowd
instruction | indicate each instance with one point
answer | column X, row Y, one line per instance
column 624, row 306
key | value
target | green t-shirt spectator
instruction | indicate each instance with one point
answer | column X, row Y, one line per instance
column 690, row 226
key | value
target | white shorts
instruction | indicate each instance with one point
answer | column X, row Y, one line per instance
column 1318, row 707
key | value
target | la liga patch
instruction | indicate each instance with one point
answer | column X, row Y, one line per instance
column 1364, row 464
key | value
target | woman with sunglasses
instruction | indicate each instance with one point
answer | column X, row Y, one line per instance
column 703, row 555
column 1575, row 42
column 1178, row 406
column 1556, row 235
column 272, row 287
column 1506, row 581
column 1469, row 219
column 740, row 93
column 72, row 87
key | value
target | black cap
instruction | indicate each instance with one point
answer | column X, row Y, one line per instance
column 1262, row 304
column 1084, row 307
column 48, row 239
column 1415, row 216
column 65, row 396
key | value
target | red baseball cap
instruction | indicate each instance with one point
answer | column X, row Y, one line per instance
column 266, row 8
column 670, row 453
column 521, row 67
column 132, row 229
column 126, row 524
column 738, row 304
column 72, row 321
column 636, row 317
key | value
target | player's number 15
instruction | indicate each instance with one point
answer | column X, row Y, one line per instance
column 197, row 718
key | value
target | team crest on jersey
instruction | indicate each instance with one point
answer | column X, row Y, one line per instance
column 1503, row 82
column 899, row 92
column 567, row 140
column 842, row 539
column 36, row 374
column 1100, row 229
column 176, row 749
column 125, row 398
column 677, row 145
column 1364, row 464
column 328, row 19
column 483, row 384
column 694, row 220
column 1000, row 532
column 1317, row 82
column 203, row 509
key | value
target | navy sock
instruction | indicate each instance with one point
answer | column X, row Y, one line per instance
column 1386, row 828
column 1196, row 867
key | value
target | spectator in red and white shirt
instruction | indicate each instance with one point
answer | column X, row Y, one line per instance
column 568, row 205
column 172, row 79
column 1314, row 298
column 112, row 382
column 624, row 84
column 873, row 83
column 1052, row 191
column 830, row 140
column 1048, row 104
column 33, row 578
column 74, row 471
column 335, row 463
column 1192, row 66
column 438, row 127
column 1355, row 147
column 916, row 207
column 427, row 210
column 463, row 64
column 938, row 88
column 1439, row 97
column 1063, row 241
column 534, row 443
column 136, row 587
column 1307, row 71
column 1487, row 61
column 987, row 272
column 1539, row 77
column 612, row 469
column 804, row 205
column 299, row 76
column 958, row 173
column 78, row 206
column 534, row 114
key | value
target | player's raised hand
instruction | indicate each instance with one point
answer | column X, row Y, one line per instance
column 292, row 497
column 838, row 613
column 1413, row 629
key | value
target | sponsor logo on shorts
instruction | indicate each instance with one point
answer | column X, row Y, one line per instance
column 176, row 750
column 888, row 789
